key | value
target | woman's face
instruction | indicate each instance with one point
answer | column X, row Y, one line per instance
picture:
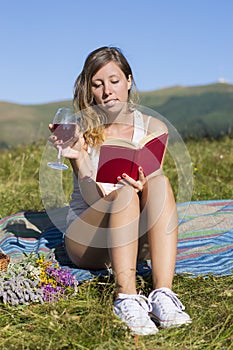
column 110, row 87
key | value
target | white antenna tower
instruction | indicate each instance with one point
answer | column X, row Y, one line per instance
column 220, row 78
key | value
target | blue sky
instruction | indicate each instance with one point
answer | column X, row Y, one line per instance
column 167, row 42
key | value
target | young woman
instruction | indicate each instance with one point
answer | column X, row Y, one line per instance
column 119, row 224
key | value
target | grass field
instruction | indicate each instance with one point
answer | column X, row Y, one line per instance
column 85, row 320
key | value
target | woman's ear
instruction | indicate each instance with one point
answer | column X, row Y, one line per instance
column 129, row 81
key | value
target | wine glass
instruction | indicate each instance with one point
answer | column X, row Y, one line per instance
column 64, row 125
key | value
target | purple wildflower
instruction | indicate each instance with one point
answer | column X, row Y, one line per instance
column 61, row 276
column 52, row 293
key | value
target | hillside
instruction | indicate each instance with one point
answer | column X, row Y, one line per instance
column 195, row 111
column 23, row 124
column 198, row 111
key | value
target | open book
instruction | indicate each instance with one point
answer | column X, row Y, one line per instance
column 118, row 156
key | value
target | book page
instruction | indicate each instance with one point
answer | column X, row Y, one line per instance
column 150, row 137
column 113, row 141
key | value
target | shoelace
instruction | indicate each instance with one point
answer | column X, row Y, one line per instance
column 138, row 298
column 152, row 298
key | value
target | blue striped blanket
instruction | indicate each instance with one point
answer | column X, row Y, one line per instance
column 205, row 244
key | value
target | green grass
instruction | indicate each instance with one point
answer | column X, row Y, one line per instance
column 85, row 320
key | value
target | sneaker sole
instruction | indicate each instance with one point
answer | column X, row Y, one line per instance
column 169, row 324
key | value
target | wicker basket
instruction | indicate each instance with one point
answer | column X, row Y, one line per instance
column 4, row 261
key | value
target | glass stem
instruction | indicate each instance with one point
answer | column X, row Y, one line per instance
column 59, row 154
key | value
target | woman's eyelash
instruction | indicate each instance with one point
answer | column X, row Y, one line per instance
column 96, row 85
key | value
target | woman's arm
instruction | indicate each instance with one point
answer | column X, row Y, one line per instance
column 82, row 165
column 84, row 171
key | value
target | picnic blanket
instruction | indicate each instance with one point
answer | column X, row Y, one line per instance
column 205, row 241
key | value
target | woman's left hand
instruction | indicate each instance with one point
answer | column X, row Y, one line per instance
column 136, row 184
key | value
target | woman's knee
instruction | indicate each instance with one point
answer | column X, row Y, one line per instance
column 161, row 178
column 125, row 198
column 159, row 183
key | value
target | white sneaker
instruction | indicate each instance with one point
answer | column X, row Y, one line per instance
column 133, row 310
column 167, row 309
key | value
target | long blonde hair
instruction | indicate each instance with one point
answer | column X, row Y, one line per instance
column 92, row 118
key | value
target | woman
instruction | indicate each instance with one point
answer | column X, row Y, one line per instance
column 119, row 224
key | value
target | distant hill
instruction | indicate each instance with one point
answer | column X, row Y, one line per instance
column 197, row 111
column 23, row 124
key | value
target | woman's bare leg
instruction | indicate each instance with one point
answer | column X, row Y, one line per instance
column 123, row 241
column 108, row 232
column 160, row 215
column 83, row 237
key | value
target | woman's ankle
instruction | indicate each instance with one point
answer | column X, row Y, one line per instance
column 126, row 291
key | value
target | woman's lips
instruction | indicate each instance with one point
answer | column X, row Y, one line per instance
column 110, row 103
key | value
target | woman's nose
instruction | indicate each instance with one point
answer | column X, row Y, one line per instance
column 107, row 90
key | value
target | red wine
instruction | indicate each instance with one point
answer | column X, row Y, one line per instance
column 64, row 132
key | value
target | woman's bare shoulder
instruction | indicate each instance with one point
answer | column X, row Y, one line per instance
column 155, row 124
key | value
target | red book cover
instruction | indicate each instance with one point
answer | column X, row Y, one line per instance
column 118, row 156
